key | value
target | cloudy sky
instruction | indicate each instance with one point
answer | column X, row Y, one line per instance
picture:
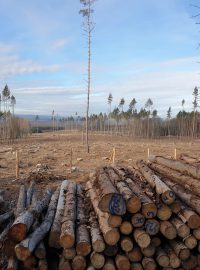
column 140, row 48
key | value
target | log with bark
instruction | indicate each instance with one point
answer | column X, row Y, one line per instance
column 111, row 200
column 6, row 216
column 149, row 209
column 133, row 203
column 67, row 236
column 180, row 166
column 111, row 235
column 97, row 240
column 83, row 246
column 54, row 236
column 23, row 222
column 30, row 192
column 167, row 194
column 189, row 159
column 186, row 181
column 188, row 197
column 25, row 248
column 21, row 204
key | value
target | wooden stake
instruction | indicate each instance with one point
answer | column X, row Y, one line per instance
column 17, row 164
column 175, row 153
column 71, row 153
column 113, row 156
column 148, row 154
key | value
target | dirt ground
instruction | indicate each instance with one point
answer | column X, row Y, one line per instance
column 50, row 153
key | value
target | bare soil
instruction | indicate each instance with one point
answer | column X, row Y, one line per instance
column 48, row 155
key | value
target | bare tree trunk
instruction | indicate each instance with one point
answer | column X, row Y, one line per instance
column 89, row 75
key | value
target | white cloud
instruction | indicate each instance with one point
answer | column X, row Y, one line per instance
column 61, row 43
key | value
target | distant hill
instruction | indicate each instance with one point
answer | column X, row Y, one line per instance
column 31, row 117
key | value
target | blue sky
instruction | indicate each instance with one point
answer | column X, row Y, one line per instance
column 141, row 49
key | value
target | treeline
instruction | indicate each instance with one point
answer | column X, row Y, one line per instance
column 11, row 127
column 142, row 123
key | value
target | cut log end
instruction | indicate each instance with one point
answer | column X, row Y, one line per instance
column 149, row 210
column 122, row 262
column 18, row 232
column 168, row 197
column 133, row 205
column 112, row 237
column 126, row 227
column 194, row 222
column 184, row 254
column 99, row 246
column 83, row 249
column 113, row 203
column 79, row 263
column 114, row 221
column 138, row 220
column 152, row 226
column 67, row 241
column 142, row 238
column 22, row 253
column 97, row 260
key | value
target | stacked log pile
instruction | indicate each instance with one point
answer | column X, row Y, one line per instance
column 122, row 218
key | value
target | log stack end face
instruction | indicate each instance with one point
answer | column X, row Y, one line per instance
column 127, row 224
column 117, row 204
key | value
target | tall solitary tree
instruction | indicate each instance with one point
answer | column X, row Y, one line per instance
column 121, row 104
column 195, row 105
column 169, row 116
column 132, row 105
column 6, row 97
column 110, row 99
column 148, row 106
column 13, row 103
column 86, row 12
